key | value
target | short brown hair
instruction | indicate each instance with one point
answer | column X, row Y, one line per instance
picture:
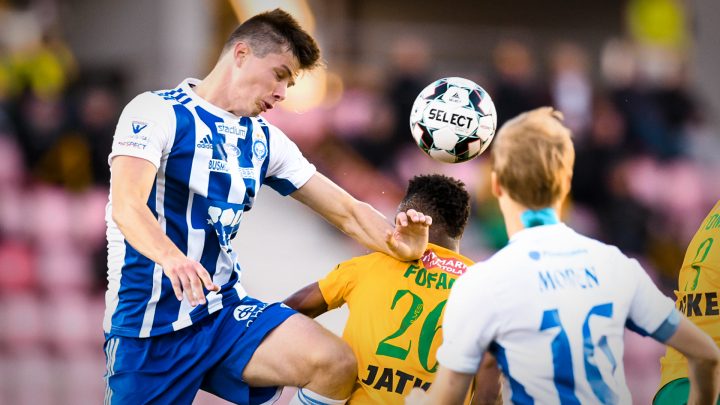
column 273, row 32
column 533, row 157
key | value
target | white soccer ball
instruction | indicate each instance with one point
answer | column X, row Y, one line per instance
column 453, row 120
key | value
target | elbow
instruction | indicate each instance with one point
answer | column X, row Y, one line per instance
column 708, row 361
column 116, row 214
column 120, row 213
column 713, row 359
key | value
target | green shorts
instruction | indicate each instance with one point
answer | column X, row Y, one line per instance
column 674, row 393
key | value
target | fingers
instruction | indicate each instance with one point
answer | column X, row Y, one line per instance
column 196, row 290
column 177, row 288
column 192, row 288
column 205, row 278
column 187, row 279
column 412, row 216
column 401, row 219
column 390, row 238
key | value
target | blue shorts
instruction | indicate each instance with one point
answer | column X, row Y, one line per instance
column 210, row 355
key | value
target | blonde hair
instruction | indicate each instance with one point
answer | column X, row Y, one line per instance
column 533, row 157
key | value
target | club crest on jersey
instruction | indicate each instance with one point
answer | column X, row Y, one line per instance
column 259, row 149
column 259, row 146
column 231, row 129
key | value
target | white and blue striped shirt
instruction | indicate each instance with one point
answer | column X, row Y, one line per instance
column 552, row 306
column 210, row 166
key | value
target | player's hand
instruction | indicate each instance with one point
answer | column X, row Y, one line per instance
column 416, row 397
column 410, row 237
column 188, row 276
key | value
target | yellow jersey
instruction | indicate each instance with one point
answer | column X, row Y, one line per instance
column 697, row 294
column 395, row 321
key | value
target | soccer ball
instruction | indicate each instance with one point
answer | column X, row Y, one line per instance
column 453, row 120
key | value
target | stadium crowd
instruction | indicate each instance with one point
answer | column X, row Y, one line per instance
column 643, row 178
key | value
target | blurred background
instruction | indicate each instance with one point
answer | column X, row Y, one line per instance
column 636, row 80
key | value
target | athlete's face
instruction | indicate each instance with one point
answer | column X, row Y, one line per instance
column 258, row 83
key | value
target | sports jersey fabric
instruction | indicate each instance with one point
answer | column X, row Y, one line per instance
column 211, row 355
column 210, row 166
column 552, row 306
column 395, row 315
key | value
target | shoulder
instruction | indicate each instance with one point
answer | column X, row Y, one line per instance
column 606, row 253
column 276, row 135
column 149, row 104
column 371, row 260
column 371, row 266
column 280, row 143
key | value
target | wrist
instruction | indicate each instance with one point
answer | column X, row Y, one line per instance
column 170, row 254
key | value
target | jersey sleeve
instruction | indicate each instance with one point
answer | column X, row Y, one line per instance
column 467, row 333
column 288, row 170
column 651, row 312
column 338, row 284
column 144, row 129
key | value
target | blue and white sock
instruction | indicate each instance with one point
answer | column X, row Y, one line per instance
column 304, row 396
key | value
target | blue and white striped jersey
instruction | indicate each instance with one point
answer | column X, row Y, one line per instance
column 552, row 306
column 211, row 165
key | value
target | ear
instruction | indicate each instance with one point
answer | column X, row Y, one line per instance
column 495, row 185
column 567, row 183
column 240, row 51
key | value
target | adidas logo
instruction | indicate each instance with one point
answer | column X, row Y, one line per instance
column 206, row 142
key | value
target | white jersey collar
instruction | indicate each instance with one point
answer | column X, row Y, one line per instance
column 538, row 232
column 188, row 84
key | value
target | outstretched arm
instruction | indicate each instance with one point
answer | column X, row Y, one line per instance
column 308, row 301
column 703, row 361
column 406, row 241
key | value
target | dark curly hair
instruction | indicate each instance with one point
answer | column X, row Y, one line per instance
column 273, row 32
column 444, row 198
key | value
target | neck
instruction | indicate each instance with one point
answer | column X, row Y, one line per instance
column 512, row 213
column 213, row 87
column 445, row 241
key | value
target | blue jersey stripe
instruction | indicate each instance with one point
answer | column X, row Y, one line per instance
column 218, row 192
column 518, row 394
column 179, row 165
column 219, row 183
column 264, row 168
column 282, row 186
column 134, row 286
column 211, row 251
column 207, row 178
column 246, row 157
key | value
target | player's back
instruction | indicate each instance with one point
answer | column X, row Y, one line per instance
column 395, row 317
column 560, row 303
